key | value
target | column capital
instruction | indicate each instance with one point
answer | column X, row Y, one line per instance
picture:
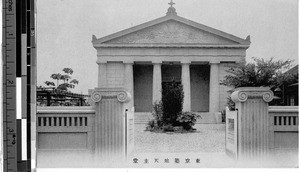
column 157, row 62
column 243, row 93
column 98, row 93
column 101, row 61
column 128, row 61
column 214, row 61
column 185, row 61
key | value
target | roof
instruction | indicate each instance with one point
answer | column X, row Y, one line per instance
column 293, row 70
column 238, row 42
column 55, row 92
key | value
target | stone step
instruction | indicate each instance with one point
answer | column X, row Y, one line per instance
column 206, row 118
column 145, row 117
column 142, row 117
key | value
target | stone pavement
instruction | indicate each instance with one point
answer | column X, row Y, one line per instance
column 209, row 138
column 203, row 148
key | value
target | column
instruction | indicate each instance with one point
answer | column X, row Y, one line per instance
column 109, row 124
column 214, row 88
column 253, row 122
column 186, row 83
column 102, row 75
column 156, row 93
column 128, row 81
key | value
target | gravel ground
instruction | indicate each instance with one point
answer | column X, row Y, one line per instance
column 209, row 138
column 202, row 149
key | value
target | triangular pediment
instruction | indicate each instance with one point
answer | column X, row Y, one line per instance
column 171, row 30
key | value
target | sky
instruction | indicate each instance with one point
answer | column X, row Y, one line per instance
column 65, row 29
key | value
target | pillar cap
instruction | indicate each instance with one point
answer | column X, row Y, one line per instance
column 156, row 61
column 185, row 62
column 243, row 93
column 101, row 61
column 214, row 61
column 119, row 93
column 128, row 61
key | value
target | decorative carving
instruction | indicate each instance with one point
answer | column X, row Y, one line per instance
column 243, row 93
column 123, row 96
column 100, row 94
column 239, row 96
column 171, row 9
column 171, row 32
column 96, row 96
column 268, row 96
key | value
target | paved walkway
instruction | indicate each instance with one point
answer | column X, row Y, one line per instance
column 207, row 138
column 203, row 148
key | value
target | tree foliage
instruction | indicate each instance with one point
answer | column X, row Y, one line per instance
column 261, row 73
column 65, row 78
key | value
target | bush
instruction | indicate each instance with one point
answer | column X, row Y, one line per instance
column 230, row 103
column 223, row 113
column 157, row 113
column 167, row 113
column 168, row 128
column 187, row 120
column 150, row 125
column 172, row 100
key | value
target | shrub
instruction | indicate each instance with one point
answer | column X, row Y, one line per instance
column 187, row 120
column 167, row 113
column 157, row 113
column 172, row 100
column 223, row 113
column 168, row 127
column 150, row 125
column 230, row 103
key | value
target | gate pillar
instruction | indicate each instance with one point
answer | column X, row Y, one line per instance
column 110, row 123
column 253, row 122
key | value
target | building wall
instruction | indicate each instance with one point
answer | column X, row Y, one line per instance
column 199, row 87
column 143, row 79
column 223, row 89
column 143, row 76
column 115, row 74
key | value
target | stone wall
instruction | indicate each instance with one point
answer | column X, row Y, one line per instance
column 115, row 74
column 143, row 76
column 223, row 89
column 284, row 121
column 65, row 128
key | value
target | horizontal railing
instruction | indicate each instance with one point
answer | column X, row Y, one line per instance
column 284, row 118
column 284, row 123
column 57, row 122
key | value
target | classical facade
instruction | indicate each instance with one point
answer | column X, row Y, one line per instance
column 143, row 58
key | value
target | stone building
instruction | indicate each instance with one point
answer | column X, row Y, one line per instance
column 171, row 48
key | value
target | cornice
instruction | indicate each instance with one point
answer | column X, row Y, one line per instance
column 241, row 46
